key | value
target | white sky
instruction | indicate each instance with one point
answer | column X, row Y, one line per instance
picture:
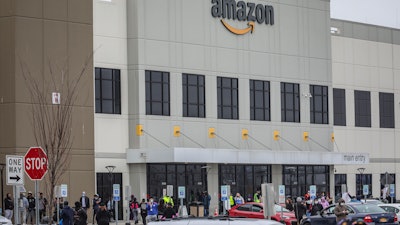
column 378, row 12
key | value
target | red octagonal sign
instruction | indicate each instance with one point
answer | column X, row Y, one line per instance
column 35, row 162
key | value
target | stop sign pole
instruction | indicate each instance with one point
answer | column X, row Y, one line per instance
column 35, row 162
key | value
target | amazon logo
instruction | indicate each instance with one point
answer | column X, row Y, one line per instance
column 242, row 11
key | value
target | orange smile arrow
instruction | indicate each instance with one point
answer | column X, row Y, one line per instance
column 239, row 31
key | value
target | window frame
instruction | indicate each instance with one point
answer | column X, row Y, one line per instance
column 294, row 95
column 100, row 90
column 362, row 108
column 228, row 109
column 319, row 116
column 339, row 107
column 386, row 110
column 265, row 107
column 199, row 86
column 154, row 84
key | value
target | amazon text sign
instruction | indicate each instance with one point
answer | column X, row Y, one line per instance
column 242, row 11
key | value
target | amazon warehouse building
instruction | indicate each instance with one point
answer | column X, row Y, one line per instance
column 208, row 93
column 201, row 94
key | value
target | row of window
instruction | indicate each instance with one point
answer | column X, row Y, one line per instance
column 361, row 180
column 108, row 99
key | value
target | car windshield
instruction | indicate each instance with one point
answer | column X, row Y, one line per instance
column 368, row 208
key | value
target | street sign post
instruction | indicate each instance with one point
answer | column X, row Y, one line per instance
column 116, row 197
column 15, row 171
column 35, row 162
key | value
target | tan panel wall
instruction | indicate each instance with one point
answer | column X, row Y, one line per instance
column 44, row 34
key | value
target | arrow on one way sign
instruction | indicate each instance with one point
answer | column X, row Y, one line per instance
column 15, row 178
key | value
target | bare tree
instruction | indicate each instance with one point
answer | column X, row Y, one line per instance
column 52, row 123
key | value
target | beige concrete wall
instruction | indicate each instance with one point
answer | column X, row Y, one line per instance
column 46, row 34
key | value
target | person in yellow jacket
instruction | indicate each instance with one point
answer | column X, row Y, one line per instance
column 168, row 199
column 231, row 200
column 257, row 196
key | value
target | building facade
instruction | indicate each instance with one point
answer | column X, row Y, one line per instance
column 208, row 93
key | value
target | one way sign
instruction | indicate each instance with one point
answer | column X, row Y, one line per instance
column 15, row 170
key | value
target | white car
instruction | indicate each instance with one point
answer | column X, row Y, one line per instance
column 5, row 221
column 391, row 208
column 216, row 221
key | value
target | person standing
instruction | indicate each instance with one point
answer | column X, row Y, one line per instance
column 8, row 206
column 67, row 214
column 316, row 208
column 31, row 208
column 134, row 206
column 85, row 202
column 143, row 211
column 96, row 206
column 299, row 209
column 152, row 210
column 42, row 206
column 103, row 216
column 80, row 217
column 289, row 203
column 22, row 207
column 239, row 199
column 206, row 203
column 257, row 196
column 340, row 211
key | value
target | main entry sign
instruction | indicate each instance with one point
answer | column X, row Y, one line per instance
column 15, row 170
column 36, row 163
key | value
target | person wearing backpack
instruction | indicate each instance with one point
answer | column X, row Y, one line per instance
column 143, row 210
column 135, row 210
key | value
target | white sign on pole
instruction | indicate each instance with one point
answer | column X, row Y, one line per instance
column 170, row 190
column 15, row 170
column 224, row 192
column 365, row 189
column 64, row 190
column 116, row 194
column 281, row 193
column 313, row 191
column 181, row 192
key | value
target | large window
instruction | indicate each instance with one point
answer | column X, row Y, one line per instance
column 228, row 103
column 194, row 99
column 104, row 188
column 245, row 179
column 361, row 180
column 290, row 102
column 108, row 91
column 260, row 100
column 191, row 176
column 340, row 183
column 386, row 110
column 339, row 107
column 362, row 100
column 157, row 93
column 297, row 179
column 319, row 104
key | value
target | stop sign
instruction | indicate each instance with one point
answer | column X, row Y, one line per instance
column 35, row 162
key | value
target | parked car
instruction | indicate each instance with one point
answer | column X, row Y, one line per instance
column 369, row 213
column 372, row 201
column 5, row 221
column 255, row 210
column 215, row 221
column 394, row 208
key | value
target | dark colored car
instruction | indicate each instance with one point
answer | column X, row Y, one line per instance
column 369, row 213
column 255, row 210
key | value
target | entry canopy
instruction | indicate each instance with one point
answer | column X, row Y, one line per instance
column 244, row 156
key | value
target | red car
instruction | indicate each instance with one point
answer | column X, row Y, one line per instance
column 255, row 210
